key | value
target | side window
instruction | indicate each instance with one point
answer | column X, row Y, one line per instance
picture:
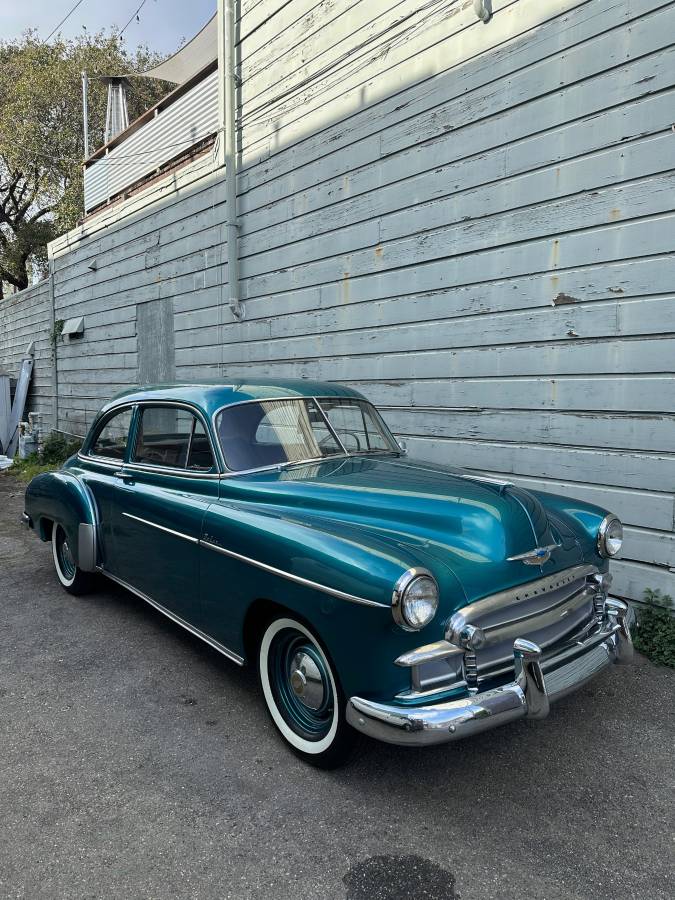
column 172, row 437
column 111, row 440
column 200, row 458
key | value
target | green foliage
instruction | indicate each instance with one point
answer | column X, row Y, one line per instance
column 56, row 331
column 655, row 635
column 41, row 136
column 55, row 451
column 57, row 448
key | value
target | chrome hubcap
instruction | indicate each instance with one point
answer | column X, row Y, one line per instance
column 307, row 681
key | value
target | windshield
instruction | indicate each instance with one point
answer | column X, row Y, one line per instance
column 276, row 432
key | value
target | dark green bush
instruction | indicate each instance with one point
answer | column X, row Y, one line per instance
column 57, row 448
column 655, row 635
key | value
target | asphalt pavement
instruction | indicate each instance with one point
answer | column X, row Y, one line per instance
column 135, row 762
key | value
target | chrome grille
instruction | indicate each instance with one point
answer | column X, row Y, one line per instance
column 552, row 611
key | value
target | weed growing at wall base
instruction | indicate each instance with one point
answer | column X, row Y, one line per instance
column 55, row 451
column 655, row 635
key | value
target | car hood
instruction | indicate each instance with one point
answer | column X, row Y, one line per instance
column 472, row 526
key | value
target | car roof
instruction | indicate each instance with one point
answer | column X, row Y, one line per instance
column 209, row 396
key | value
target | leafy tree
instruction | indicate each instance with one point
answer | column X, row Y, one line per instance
column 41, row 139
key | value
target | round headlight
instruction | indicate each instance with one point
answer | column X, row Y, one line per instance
column 415, row 599
column 610, row 536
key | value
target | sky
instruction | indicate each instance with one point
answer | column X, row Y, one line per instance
column 163, row 23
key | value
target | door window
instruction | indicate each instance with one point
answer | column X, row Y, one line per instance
column 111, row 441
column 172, row 437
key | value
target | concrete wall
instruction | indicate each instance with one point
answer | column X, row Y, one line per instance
column 25, row 317
column 473, row 223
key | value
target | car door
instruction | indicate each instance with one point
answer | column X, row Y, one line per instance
column 165, row 487
column 101, row 464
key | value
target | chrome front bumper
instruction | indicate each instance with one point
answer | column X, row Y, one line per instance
column 538, row 682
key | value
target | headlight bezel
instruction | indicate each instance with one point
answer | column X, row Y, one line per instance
column 604, row 536
column 398, row 598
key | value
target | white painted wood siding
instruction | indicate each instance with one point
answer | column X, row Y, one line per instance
column 473, row 223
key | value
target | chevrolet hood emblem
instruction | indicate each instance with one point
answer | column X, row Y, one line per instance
column 536, row 557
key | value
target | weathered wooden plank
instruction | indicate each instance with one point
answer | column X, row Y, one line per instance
column 623, row 431
column 619, row 468
column 454, row 158
column 373, row 245
column 613, row 318
column 567, row 250
column 431, row 108
column 650, row 547
column 605, row 357
column 631, row 579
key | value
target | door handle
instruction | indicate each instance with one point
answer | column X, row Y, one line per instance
column 125, row 476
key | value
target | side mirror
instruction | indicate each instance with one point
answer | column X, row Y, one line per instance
column 402, row 447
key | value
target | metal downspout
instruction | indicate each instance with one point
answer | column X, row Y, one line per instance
column 227, row 87
column 53, row 337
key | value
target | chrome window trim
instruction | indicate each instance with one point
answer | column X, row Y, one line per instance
column 298, row 579
column 93, row 435
column 144, row 467
column 197, row 413
column 147, row 467
column 179, row 534
column 212, row 642
column 231, row 473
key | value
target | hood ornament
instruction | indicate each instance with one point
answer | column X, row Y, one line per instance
column 536, row 557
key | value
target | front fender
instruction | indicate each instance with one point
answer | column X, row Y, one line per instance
column 244, row 552
column 63, row 498
column 584, row 519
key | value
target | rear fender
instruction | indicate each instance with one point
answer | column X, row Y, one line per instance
column 63, row 498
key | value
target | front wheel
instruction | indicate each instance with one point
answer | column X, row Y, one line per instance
column 303, row 695
column 72, row 579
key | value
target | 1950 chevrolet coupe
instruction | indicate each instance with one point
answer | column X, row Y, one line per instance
column 284, row 525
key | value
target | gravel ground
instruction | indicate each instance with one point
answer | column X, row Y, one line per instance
column 135, row 762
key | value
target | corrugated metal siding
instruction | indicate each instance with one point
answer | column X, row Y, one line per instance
column 473, row 223
column 193, row 117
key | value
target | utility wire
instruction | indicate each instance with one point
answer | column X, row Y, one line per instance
column 132, row 17
column 64, row 19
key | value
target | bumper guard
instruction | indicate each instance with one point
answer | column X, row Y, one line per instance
column 538, row 682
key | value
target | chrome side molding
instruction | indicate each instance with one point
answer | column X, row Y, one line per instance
column 212, row 642
column 298, row 579
column 178, row 534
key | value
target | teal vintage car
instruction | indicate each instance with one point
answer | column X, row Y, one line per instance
column 282, row 523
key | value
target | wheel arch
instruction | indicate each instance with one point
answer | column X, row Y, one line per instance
column 63, row 498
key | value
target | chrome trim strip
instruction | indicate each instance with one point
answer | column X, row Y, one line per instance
column 212, row 642
column 298, row 579
column 186, row 537
column 569, row 600
column 483, row 479
column 428, row 653
column 525, row 591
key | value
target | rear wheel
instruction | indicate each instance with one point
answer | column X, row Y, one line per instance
column 303, row 695
column 72, row 579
